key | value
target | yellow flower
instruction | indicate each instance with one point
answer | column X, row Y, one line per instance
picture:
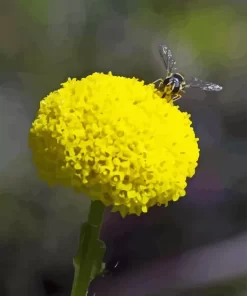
column 115, row 139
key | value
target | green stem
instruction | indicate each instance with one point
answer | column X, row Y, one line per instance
column 88, row 261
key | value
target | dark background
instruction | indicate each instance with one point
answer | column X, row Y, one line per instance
column 196, row 246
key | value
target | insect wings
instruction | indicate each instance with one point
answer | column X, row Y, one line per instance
column 167, row 58
column 170, row 65
column 205, row 85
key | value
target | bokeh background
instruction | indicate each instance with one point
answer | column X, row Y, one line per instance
column 196, row 246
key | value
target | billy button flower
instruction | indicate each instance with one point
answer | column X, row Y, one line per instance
column 115, row 139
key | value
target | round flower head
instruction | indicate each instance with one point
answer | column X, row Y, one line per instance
column 115, row 139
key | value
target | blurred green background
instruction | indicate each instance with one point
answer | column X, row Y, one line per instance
column 42, row 43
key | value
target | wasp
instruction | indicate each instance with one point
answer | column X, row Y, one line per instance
column 174, row 85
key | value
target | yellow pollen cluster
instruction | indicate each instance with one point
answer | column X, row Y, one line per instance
column 115, row 139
